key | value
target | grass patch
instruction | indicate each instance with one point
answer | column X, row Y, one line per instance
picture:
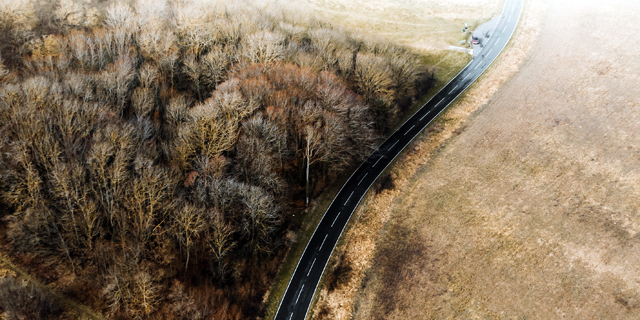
column 447, row 65
column 307, row 222
column 450, row 63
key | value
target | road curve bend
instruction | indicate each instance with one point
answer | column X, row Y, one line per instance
column 304, row 282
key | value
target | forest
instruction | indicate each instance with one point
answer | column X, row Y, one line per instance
column 153, row 152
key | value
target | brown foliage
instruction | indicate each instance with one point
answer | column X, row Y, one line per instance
column 141, row 142
column 24, row 300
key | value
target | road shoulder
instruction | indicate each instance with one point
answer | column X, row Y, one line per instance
column 352, row 260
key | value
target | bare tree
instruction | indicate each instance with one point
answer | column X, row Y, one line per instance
column 261, row 149
column 119, row 15
column 3, row 70
column 20, row 299
column 373, row 77
column 131, row 289
column 76, row 200
column 143, row 101
column 215, row 124
column 148, row 200
column 189, row 222
column 115, row 83
column 25, row 183
column 259, row 220
column 264, row 47
column 107, row 163
column 96, row 140
column 219, row 239
column 215, row 65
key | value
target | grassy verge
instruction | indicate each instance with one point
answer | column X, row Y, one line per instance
column 307, row 222
column 416, row 158
column 449, row 64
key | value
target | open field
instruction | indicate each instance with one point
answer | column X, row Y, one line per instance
column 532, row 210
column 353, row 255
column 429, row 25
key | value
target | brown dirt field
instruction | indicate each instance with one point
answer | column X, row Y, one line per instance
column 531, row 210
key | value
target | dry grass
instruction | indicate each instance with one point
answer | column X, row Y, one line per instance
column 531, row 211
column 361, row 240
column 429, row 25
column 74, row 310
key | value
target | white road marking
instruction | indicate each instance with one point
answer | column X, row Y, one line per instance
column 377, row 161
column 413, row 126
column 426, row 114
column 454, row 88
column 465, row 78
column 439, row 102
column 334, row 220
column 312, row 263
column 325, row 239
column 393, row 145
column 488, row 53
column 348, row 198
column 299, row 294
column 365, row 175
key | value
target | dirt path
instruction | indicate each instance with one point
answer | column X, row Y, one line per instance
column 532, row 211
column 81, row 311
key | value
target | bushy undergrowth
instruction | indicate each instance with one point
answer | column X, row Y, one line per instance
column 24, row 300
column 156, row 147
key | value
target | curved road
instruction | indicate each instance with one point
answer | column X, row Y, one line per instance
column 302, row 286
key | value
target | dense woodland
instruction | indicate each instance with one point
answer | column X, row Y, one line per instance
column 152, row 153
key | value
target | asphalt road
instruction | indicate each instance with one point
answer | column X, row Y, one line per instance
column 302, row 286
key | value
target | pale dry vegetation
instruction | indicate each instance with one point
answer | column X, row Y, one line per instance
column 427, row 25
column 152, row 152
column 530, row 209
column 21, row 299
column 364, row 279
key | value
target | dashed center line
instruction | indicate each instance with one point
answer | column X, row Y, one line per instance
column 312, row 263
column 426, row 114
column 365, row 175
column 439, row 102
column 377, row 161
column 454, row 88
column 488, row 53
column 291, row 316
column 299, row 294
column 348, row 198
column 476, row 66
column 465, row 78
column 325, row 239
column 393, row 145
column 334, row 220
column 413, row 126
